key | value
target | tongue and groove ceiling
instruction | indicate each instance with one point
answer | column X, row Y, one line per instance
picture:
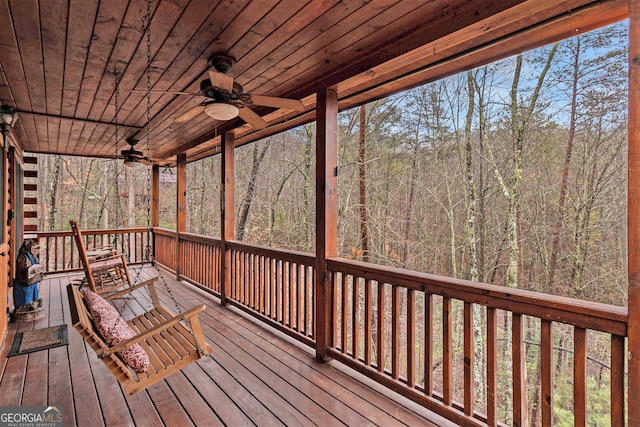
column 59, row 60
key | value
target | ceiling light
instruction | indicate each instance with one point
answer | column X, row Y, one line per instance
column 221, row 111
column 131, row 162
column 8, row 116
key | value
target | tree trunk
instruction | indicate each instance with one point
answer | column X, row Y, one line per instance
column 54, row 192
column 362, row 206
column 248, row 198
column 555, row 245
column 471, row 187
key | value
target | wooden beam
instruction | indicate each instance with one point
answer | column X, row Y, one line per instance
column 181, row 207
column 227, row 212
column 633, row 214
column 326, row 213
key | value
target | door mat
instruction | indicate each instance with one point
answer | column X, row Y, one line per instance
column 39, row 339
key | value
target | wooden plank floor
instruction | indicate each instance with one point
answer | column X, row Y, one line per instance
column 253, row 377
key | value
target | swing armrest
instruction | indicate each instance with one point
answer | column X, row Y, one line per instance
column 129, row 290
column 156, row 330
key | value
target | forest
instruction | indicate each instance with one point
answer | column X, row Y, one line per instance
column 511, row 174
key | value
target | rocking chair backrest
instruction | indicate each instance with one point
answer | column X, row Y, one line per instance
column 104, row 275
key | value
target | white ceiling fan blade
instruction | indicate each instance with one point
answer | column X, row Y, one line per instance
column 252, row 118
column 190, row 114
column 221, row 80
column 272, row 101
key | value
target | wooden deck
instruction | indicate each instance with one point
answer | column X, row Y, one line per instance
column 254, row 377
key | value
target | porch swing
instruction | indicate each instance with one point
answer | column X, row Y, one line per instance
column 153, row 345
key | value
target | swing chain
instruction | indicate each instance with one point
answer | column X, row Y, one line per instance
column 148, row 256
column 117, row 174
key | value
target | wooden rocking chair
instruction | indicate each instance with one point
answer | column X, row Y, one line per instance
column 105, row 273
column 169, row 344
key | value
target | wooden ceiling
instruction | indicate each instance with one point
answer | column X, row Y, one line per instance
column 59, row 59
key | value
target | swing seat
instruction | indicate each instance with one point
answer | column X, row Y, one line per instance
column 105, row 274
column 169, row 344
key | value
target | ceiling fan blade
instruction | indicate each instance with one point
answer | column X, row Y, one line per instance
column 190, row 114
column 170, row 92
column 272, row 101
column 221, row 80
column 252, row 118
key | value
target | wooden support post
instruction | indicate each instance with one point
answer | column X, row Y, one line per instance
column 227, row 212
column 15, row 224
column 633, row 215
column 155, row 203
column 4, row 243
column 326, row 213
column 181, row 207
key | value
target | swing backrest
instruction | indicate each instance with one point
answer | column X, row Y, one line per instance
column 105, row 274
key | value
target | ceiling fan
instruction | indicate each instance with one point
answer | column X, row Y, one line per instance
column 131, row 156
column 226, row 99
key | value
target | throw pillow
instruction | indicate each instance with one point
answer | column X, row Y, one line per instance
column 114, row 330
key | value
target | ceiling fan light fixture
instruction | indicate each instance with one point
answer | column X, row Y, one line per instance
column 221, row 111
column 131, row 162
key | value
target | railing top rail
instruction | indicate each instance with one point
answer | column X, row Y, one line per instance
column 164, row 231
column 297, row 256
column 596, row 316
column 88, row 232
column 198, row 238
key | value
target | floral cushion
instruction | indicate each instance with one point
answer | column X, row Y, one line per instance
column 105, row 317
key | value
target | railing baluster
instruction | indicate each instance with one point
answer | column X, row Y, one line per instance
column 272, row 288
column 492, row 367
column 262, row 286
column 395, row 332
column 292, row 276
column 447, row 351
column 546, row 362
column 343, row 308
column 64, row 254
column 411, row 338
column 469, row 359
column 518, row 368
column 355, row 318
column 368, row 310
column 381, row 327
column 55, row 251
column 247, row 284
column 580, row 376
column 617, row 380
column 278, row 290
column 428, row 344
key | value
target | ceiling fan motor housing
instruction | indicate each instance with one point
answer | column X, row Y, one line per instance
column 236, row 97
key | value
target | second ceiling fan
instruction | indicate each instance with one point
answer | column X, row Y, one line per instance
column 226, row 99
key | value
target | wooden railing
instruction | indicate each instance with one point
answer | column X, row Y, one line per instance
column 276, row 286
column 164, row 244
column 59, row 254
column 384, row 325
column 442, row 342
column 200, row 261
